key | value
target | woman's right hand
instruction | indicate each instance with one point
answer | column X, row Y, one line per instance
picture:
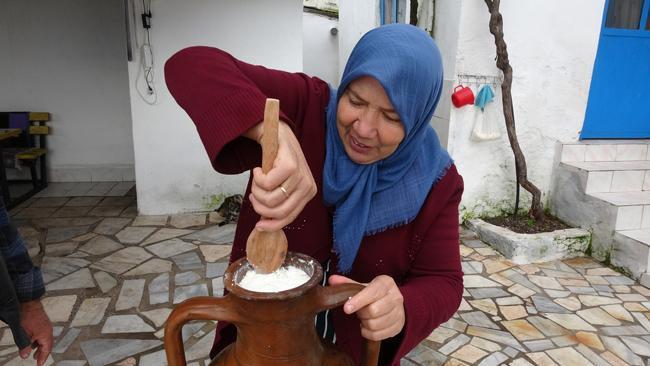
column 280, row 195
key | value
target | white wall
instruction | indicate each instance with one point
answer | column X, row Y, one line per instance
column 355, row 19
column 68, row 58
column 552, row 49
column 172, row 169
column 320, row 47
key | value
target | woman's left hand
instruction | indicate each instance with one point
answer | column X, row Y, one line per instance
column 379, row 306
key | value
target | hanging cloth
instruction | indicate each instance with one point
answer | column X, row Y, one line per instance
column 485, row 123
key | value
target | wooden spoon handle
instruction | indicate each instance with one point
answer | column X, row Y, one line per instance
column 269, row 138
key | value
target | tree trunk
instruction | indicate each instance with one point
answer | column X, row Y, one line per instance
column 496, row 28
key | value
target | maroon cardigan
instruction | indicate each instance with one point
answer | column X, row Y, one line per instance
column 225, row 97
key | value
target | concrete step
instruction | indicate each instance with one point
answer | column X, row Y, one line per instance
column 631, row 250
column 604, row 150
column 614, row 176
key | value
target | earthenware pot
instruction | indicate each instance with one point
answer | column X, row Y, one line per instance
column 273, row 329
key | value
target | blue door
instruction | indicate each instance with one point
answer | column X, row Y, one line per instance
column 619, row 97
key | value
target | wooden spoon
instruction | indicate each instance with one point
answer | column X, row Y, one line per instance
column 265, row 250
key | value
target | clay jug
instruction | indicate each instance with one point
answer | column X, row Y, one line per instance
column 273, row 329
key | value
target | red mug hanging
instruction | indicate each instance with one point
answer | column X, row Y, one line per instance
column 462, row 95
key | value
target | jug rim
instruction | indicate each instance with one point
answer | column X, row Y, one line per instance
column 300, row 260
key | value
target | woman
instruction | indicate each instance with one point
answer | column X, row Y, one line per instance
column 387, row 209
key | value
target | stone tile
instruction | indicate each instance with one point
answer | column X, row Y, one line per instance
column 131, row 212
column 83, row 201
column 217, row 286
column 632, row 297
column 541, row 359
column 123, row 260
column 591, row 355
column 582, row 290
column 152, row 266
column 572, row 282
column 521, row 291
column 596, row 280
column 520, row 362
column 540, row 345
column 116, row 201
column 643, row 320
column 570, row 303
column 72, row 363
column 100, row 245
column 35, row 212
column 103, row 211
column 60, row 250
column 49, row 202
column 613, row 360
column 478, row 318
column 486, row 251
column 111, row 225
column 186, row 278
column 493, row 359
column 602, row 271
column 159, row 289
column 134, row 235
column 522, row 329
column 53, row 268
column 618, row 312
column 571, row 321
column 159, row 220
column 619, row 280
column 188, row 261
column 212, row 253
column 130, row 295
column 105, row 281
column 215, row 234
column 617, row 347
column 158, row 316
column 511, row 300
column 598, row 316
column 482, row 293
column 565, row 340
column 84, row 237
column 126, row 324
column 215, row 269
column 107, row 351
column 71, row 211
column 17, row 361
column 495, row 336
column 568, row 356
column 545, row 282
column 626, row 330
column 590, row 340
column 154, row 359
column 441, row 334
column 622, row 289
column 59, row 234
column 76, row 280
column 469, row 353
column 544, row 304
column 513, row 312
column 201, row 349
column 632, row 306
column 59, row 222
column 642, row 290
column 637, row 345
column 62, row 345
column 164, row 234
column 170, row 248
column 182, row 293
column 91, row 312
column 8, row 339
column 591, row 300
column 183, row 221
column 486, row 345
column 456, row 325
column 454, row 344
column 473, row 281
column 58, row 308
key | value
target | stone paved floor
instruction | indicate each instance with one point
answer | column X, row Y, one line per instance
column 112, row 278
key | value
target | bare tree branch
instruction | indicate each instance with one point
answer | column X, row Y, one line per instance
column 496, row 28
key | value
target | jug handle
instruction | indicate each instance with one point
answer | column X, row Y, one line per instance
column 197, row 308
column 332, row 296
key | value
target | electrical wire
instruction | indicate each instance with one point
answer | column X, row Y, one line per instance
column 146, row 73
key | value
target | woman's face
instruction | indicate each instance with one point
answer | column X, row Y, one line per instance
column 368, row 125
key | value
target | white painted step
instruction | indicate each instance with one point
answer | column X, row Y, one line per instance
column 632, row 251
column 605, row 150
column 624, row 198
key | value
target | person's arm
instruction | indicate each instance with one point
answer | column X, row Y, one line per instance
column 434, row 288
column 29, row 288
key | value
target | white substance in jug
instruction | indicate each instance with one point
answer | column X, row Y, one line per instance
column 284, row 278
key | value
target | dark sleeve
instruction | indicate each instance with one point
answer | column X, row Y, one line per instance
column 434, row 288
column 27, row 279
column 225, row 97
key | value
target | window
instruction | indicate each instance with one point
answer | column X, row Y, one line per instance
column 624, row 14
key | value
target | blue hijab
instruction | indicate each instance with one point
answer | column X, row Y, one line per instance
column 370, row 198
